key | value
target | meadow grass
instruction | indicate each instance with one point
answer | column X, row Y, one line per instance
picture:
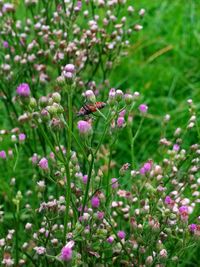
column 162, row 64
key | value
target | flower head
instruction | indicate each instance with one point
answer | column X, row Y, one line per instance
column 40, row 250
column 120, row 122
column 192, row 227
column 69, row 68
column 23, row 90
column 143, row 108
column 22, row 137
column 2, row 154
column 95, row 202
column 114, row 183
column 121, row 234
column 43, row 164
column 84, row 127
column 66, row 252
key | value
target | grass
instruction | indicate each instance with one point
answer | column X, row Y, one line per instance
column 162, row 65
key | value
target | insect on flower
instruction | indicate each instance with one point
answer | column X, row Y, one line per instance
column 90, row 108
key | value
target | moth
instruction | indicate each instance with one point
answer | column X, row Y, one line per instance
column 90, row 108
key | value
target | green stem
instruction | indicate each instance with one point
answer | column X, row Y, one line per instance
column 68, row 185
column 132, row 140
column 88, row 183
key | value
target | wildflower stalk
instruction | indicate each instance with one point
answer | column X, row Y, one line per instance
column 92, row 162
column 88, row 182
column 132, row 140
column 68, row 185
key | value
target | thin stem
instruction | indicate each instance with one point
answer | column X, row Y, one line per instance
column 132, row 140
column 68, row 187
column 88, row 183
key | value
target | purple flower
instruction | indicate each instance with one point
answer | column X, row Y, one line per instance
column 100, row 215
column 84, row 127
column 121, row 234
column 146, row 168
column 5, row 44
column 183, row 209
column 143, row 108
column 114, row 183
column 2, row 154
column 95, row 202
column 43, row 164
column 85, row 178
column 89, row 94
column 168, row 200
column 22, row 137
column 176, row 147
column 110, row 239
column 192, row 227
column 23, row 90
column 69, row 68
column 40, row 250
column 66, row 252
column 120, row 122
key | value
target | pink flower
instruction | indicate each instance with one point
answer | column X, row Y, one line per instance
column 183, row 210
column 110, row 239
column 114, row 183
column 43, row 164
column 2, row 154
column 168, row 200
column 143, row 108
column 40, row 250
column 95, row 202
column 176, row 147
column 192, row 227
column 100, row 215
column 66, row 252
column 23, row 90
column 146, row 168
column 84, row 127
column 120, row 122
column 121, row 234
column 69, row 68
column 5, row 44
column 22, row 137
column 85, row 178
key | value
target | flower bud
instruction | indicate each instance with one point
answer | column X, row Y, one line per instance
column 56, row 97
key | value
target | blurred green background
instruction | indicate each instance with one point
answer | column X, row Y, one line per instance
column 164, row 66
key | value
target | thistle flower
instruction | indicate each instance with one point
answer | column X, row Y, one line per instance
column 66, row 252
column 192, row 227
column 22, row 137
column 2, row 154
column 89, row 94
column 143, row 108
column 120, row 122
column 5, row 44
column 69, row 68
column 114, row 183
column 95, row 202
column 23, row 90
column 40, row 250
column 121, row 234
column 85, row 179
column 84, row 128
column 176, row 147
column 146, row 168
column 110, row 239
column 43, row 164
